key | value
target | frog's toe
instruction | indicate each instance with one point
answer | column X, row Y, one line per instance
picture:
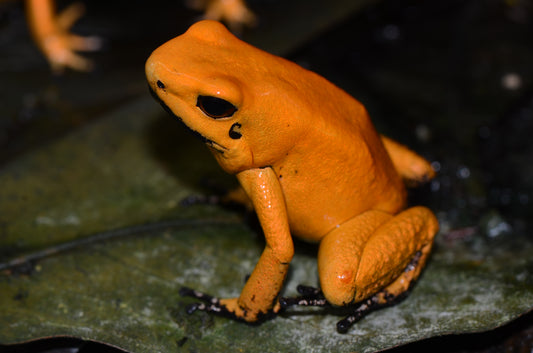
column 208, row 303
column 309, row 296
column 344, row 325
column 90, row 43
column 377, row 301
column 205, row 298
column 207, row 307
column 308, row 290
column 360, row 311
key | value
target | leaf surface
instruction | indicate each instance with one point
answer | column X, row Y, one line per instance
column 129, row 171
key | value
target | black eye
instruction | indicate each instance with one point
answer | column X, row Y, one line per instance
column 214, row 107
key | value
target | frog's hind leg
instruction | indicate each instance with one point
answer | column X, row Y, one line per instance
column 393, row 294
column 311, row 296
column 372, row 259
column 338, row 253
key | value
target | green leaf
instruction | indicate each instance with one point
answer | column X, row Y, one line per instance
column 127, row 172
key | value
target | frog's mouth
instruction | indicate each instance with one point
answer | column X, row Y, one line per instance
column 217, row 147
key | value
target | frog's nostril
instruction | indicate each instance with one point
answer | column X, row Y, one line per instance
column 160, row 84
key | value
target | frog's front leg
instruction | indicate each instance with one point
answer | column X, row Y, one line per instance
column 259, row 295
column 373, row 258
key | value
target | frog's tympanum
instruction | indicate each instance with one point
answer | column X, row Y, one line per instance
column 313, row 166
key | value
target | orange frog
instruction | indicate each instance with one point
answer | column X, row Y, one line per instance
column 51, row 30
column 310, row 161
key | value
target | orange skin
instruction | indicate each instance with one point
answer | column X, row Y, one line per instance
column 233, row 12
column 310, row 161
column 50, row 31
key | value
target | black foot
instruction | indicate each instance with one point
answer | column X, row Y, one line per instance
column 209, row 303
column 200, row 200
column 310, row 296
column 308, row 290
column 367, row 306
column 216, row 194
column 377, row 301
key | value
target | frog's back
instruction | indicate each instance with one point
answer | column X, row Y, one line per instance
column 342, row 166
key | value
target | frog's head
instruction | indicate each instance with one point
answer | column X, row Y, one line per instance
column 224, row 90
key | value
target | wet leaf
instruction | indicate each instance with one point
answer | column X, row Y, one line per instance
column 131, row 168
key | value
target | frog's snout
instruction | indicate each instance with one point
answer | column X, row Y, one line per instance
column 151, row 74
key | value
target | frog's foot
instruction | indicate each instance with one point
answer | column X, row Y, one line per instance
column 208, row 303
column 309, row 296
column 392, row 294
column 201, row 200
column 228, row 307
column 233, row 199
column 215, row 196
column 377, row 301
column 360, row 311
column 59, row 45
column 233, row 12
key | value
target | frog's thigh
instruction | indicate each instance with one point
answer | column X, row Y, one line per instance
column 340, row 253
column 382, row 259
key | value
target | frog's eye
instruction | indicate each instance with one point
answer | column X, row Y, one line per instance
column 215, row 108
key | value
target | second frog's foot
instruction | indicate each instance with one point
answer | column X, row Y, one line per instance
column 60, row 46
column 309, row 296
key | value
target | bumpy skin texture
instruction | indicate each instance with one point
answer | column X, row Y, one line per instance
column 311, row 162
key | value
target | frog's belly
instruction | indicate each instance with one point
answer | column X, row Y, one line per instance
column 314, row 209
column 326, row 183
column 312, row 219
column 313, row 228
